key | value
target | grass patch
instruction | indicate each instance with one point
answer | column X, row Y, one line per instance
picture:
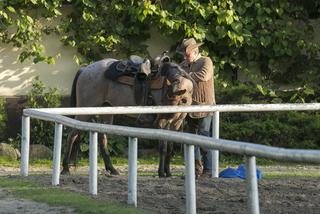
column 225, row 161
column 57, row 197
column 7, row 162
column 118, row 161
column 271, row 175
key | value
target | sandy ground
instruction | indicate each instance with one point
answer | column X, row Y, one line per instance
column 280, row 195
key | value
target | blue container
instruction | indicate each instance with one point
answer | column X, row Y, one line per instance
column 240, row 172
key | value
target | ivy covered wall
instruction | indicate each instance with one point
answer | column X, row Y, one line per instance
column 271, row 45
column 271, row 42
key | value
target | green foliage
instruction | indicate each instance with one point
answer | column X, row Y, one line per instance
column 3, row 119
column 118, row 145
column 281, row 129
column 271, row 42
column 23, row 24
column 245, row 93
column 285, row 129
column 41, row 97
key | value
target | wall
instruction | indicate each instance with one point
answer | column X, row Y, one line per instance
column 16, row 77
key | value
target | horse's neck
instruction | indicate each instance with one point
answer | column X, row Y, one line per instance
column 157, row 95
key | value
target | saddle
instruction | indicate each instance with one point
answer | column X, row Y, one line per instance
column 157, row 83
column 130, row 67
column 133, row 72
column 142, row 88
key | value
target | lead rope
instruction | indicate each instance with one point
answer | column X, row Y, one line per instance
column 147, row 96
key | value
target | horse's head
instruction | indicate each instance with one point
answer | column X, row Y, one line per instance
column 179, row 92
column 159, row 60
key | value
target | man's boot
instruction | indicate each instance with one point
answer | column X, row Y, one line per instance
column 198, row 168
column 206, row 173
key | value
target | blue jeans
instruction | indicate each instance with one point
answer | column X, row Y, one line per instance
column 201, row 126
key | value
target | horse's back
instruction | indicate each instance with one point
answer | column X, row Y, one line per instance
column 99, row 66
column 93, row 89
column 91, row 85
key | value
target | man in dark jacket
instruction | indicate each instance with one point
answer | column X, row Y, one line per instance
column 201, row 70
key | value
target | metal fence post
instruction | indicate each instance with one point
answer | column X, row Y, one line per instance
column 93, row 163
column 132, row 170
column 252, row 185
column 56, row 154
column 25, row 144
column 215, row 153
column 190, row 181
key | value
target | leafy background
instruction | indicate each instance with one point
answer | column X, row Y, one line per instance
column 271, row 43
column 265, row 51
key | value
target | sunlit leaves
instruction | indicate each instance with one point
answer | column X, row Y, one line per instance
column 29, row 19
column 87, row 16
column 57, row 12
column 34, row 1
column 11, row 9
column 4, row 14
column 88, row 3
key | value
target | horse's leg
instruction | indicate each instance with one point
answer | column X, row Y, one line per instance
column 169, row 150
column 162, row 154
column 72, row 137
column 168, row 156
column 103, row 143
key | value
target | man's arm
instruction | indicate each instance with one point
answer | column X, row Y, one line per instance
column 205, row 73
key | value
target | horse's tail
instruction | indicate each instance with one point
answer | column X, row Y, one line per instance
column 73, row 96
column 73, row 102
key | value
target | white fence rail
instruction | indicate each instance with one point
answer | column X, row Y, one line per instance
column 250, row 150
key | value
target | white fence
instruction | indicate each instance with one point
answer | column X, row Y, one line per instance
column 249, row 150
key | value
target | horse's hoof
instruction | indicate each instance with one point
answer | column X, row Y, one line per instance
column 161, row 175
column 65, row 172
column 114, row 172
column 168, row 175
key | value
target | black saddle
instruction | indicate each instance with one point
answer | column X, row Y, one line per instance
column 128, row 67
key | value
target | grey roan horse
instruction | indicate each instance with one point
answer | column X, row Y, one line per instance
column 91, row 89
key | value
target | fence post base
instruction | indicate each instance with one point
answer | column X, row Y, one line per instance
column 56, row 154
column 252, row 185
column 93, row 163
column 190, row 181
column 25, row 146
column 132, row 171
column 215, row 153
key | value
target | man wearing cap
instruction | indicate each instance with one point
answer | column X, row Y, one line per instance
column 201, row 70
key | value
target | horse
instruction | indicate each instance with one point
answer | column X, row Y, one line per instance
column 90, row 88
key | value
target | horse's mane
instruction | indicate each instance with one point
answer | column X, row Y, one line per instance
column 168, row 66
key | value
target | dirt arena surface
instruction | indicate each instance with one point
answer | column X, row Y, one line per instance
column 278, row 195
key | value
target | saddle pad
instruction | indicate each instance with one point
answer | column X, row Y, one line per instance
column 154, row 84
column 126, row 80
column 112, row 73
